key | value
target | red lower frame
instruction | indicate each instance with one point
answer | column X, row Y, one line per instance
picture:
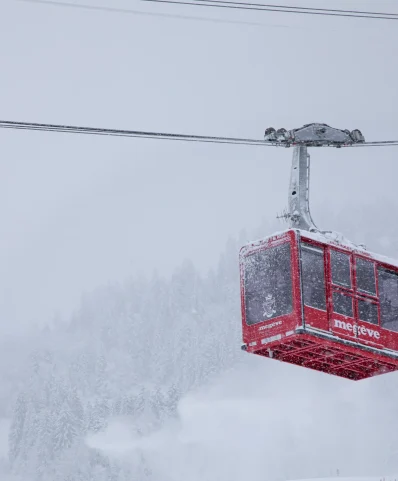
column 332, row 357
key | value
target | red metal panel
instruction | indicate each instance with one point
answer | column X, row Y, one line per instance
column 389, row 339
column 316, row 318
column 343, row 326
column 339, row 324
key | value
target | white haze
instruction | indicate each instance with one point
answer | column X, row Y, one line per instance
column 282, row 426
column 120, row 361
column 78, row 211
column 147, row 381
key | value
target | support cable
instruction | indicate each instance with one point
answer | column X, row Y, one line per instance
column 261, row 8
column 73, row 129
column 230, row 5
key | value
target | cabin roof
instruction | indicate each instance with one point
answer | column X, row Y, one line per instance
column 338, row 240
column 332, row 238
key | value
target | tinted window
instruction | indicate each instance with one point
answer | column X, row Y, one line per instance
column 313, row 276
column 367, row 311
column 388, row 294
column 342, row 304
column 268, row 284
column 366, row 281
column 340, row 268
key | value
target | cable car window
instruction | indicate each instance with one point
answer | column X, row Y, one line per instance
column 366, row 281
column 388, row 294
column 341, row 272
column 313, row 276
column 342, row 304
column 367, row 311
column 268, row 284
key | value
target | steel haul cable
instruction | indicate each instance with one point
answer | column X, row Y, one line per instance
column 127, row 133
column 300, row 8
column 73, row 129
column 240, row 6
column 236, row 6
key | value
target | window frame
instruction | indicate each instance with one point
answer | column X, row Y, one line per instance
column 375, row 272
column 380, row 266
column 319, row 249
column 362, row 295
column 371, row 301
column 340, row 286
column 345, row 293
column 291, row 273
column 353, row 291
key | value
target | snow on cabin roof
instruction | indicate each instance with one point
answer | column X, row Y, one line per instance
column 333, row 238
column 337, row 239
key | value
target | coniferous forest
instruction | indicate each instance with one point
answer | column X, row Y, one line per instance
column 133, row 350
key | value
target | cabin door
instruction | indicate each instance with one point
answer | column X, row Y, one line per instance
column 342, row 319
column 367, row 305
column 354, row 305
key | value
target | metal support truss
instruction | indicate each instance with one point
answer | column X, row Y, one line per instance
column 298, row 201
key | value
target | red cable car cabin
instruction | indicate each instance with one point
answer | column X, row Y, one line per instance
column 313, row 302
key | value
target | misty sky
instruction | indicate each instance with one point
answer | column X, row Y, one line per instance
column 79, row 211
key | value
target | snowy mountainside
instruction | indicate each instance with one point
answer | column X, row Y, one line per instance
column 131, row 350
column 249, row 421
column 147, row 381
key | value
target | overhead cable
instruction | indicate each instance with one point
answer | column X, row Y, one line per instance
column 386, row 143
column 301, row 8
column 72, row 129
column 261, row 8
column 226, row 4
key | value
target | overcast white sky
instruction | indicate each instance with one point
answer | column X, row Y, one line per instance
column 76, row 211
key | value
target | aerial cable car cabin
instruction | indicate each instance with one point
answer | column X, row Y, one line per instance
column 312, row 298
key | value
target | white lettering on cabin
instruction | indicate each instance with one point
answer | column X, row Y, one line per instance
column 268, row 326
column 359, row 330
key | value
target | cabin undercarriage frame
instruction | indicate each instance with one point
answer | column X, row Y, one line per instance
column 341, row 358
